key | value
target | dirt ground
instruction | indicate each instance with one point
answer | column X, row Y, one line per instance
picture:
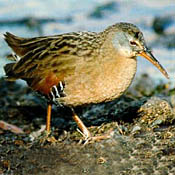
column 140, row 125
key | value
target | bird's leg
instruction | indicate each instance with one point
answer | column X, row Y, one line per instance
column 85, row 132
column 45, row 136
column 52, row 99
column 49, row 109
column 52, row 96
column 83, row 128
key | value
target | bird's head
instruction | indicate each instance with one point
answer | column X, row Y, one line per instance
column 129, row 42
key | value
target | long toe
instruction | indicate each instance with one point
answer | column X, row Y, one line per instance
column 96, row 138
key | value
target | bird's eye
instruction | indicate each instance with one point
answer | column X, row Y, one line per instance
column 133, row 43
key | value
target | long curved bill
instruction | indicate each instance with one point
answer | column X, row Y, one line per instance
column 149, row 56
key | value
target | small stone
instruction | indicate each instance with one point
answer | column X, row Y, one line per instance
column 135, row 129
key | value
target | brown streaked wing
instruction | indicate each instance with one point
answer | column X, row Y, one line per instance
column 57, row 54
column 21, row 46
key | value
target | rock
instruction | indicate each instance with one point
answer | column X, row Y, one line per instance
column 103, row 9
column 156, row 111
column 161, row 23
column 136, row 129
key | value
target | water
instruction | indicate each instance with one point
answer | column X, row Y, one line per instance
column 141, row 13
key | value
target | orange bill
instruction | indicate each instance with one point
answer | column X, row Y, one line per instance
column 149, row 56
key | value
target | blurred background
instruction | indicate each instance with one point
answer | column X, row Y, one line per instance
column 155, row 18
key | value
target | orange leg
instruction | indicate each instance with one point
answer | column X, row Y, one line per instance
column 47, row 137
column 85, row 131
column 81, row 125
column 49, row 108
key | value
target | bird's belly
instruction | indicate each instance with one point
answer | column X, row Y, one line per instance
column 102, row 83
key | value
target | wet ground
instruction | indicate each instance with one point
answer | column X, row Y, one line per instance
column 140, row 125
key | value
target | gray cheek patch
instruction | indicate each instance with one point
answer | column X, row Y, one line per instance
column 118, row 40
column 121, row 42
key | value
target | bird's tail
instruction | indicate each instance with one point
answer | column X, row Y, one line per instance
column 16, row 43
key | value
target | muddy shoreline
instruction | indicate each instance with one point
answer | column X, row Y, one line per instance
column 146, row 145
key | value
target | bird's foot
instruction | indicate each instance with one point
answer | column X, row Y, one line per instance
column 88, row 138
column 96, row 138
column 45, row 137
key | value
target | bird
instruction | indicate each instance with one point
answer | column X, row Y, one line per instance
column 79, row 68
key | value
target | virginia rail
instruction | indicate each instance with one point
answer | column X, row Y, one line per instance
column 79, row 68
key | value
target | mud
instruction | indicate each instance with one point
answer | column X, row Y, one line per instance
column 145, row 145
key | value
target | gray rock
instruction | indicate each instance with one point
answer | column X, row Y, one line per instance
column 156, row 111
